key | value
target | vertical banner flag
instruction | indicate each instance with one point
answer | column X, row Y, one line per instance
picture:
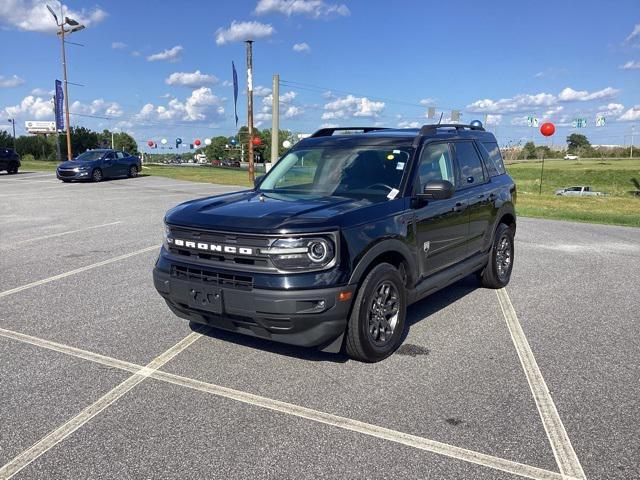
column 59, row 98
column 235, row 92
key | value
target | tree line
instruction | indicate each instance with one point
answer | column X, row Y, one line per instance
column 577, row 144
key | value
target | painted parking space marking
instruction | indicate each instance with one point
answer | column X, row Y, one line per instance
column 69, row 232
column 76, row 271
column 563, row 451
column 62, row 432
column 344, row 423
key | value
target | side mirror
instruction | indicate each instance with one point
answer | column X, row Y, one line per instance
column 258, row 181
column 437, row 190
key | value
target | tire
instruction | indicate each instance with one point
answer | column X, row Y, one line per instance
column 66, row 181
column 96, row 175
column 497, row 273
column 368, row 339
column 12, row 169
column 133, row 171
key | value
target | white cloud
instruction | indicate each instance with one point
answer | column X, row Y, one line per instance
column 611, row 109
column 36, row 108
column 301, row 47
column 427, row 102
column 171, row 54
column 309, row 8
column 554, row 111
column 352, row 106
column 518, row 103
column 633, row 35
column 261, row 91
column 41, row 92
column 571, row 95
column 118, row 45
column 408, row 124
column 631, row 115
column 12, row 81
column 631, row 65
column 187, row 79
column 97, row 107
column 227, row 83
column 33, row 16
column 528, row 102
column 202, row 104
column 493, row 119
column 292, row 111
column 241, row 31
column 135, row 53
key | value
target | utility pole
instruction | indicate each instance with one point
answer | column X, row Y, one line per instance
column 75, row 26
column 275, row 118
column 112, row 144
column 13, row 122
column 250, row 106
column 630, row 151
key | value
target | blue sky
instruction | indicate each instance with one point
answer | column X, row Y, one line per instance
column 163, row 69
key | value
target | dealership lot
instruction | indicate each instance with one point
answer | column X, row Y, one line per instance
column 100, row 380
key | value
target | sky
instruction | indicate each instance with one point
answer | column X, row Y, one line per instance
column 163, row 69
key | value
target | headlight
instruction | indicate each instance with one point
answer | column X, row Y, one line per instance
column 301, row 253
column 168, row 239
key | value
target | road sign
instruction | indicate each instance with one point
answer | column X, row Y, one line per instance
column 34, row 126
column 579, row 123
column 600, row 121
column 532, row 121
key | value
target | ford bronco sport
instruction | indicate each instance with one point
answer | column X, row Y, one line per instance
column 342, row 235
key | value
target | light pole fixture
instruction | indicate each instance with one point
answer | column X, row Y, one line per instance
column 75, row 27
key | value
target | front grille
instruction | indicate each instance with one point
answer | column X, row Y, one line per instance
column 256, row 261
column 67, row 173
column 238, row 282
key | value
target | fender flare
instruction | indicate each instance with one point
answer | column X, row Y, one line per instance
column 382, row 247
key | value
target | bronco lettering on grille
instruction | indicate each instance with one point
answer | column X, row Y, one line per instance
column 212, row 247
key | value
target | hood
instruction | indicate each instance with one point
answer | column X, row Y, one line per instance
column 251, row 211
column 73, row 164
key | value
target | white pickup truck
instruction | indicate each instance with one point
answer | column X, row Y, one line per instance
column 580, row 191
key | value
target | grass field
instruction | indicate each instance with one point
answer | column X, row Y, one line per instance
column 611, row 176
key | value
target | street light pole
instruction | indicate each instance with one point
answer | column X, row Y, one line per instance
column 75, row 26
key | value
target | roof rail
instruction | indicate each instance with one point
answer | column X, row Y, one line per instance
column 327, row 132
column 431, row 128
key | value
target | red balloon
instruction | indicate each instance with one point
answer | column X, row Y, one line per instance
column 197, row 142
column 256, row 141
column 150, row 143
column 547, row 129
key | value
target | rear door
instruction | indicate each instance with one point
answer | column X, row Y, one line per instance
column 441, row 225
column 110, row 165
column 473, row 185
column 123, row 163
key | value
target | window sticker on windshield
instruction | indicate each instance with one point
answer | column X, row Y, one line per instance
column 400, row 166
column 393, row 193
column 396, row 151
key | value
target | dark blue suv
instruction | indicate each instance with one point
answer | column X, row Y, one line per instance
column 97, row 165
column 345, row 231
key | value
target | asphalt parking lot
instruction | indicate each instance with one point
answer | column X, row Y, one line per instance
column 99, row 380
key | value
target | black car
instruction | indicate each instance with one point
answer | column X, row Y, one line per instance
column 341, row 235
column 96, row 165
column 9, row 160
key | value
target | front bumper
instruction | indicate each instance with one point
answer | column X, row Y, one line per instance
column 71, row 175
column 306, row 318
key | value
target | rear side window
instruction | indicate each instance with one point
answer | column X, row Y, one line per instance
column 493, row 158
column 471, row 171
column 121, row 154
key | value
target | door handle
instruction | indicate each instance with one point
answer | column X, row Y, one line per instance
column 459, row 207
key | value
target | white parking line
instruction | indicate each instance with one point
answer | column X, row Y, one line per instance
column 62, row 432
column 298, row 411
column 563, row 451
column 77, row 270
column 53, row 235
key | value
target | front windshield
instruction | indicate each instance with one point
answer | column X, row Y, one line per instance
column 359, row 171
column 89, row 156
